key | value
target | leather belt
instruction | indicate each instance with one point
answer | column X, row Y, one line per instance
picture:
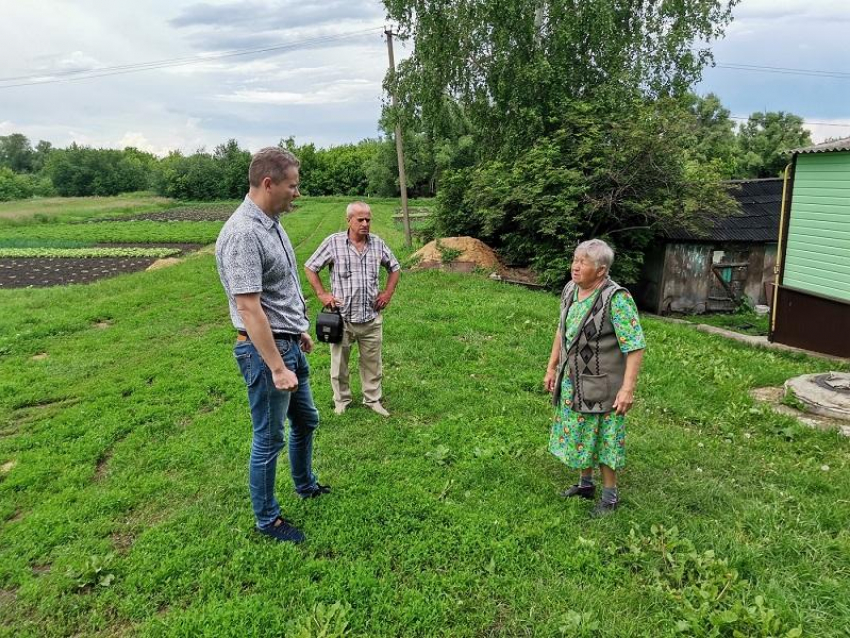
column 241, row 335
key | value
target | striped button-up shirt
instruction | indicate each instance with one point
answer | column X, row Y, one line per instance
column 253, row 254
column 354, row 275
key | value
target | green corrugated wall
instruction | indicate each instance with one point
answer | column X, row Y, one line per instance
column 818, row 255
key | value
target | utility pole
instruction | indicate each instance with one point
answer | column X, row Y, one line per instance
column 399, row 147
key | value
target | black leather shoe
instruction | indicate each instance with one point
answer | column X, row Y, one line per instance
column 584, row 491
column 317, row 491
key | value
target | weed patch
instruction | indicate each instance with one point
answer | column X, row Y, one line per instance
column 708, row 597
column 95, row 571
column 448, row 255
column 325, row 621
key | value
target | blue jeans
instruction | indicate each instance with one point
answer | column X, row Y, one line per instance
column 269, row 408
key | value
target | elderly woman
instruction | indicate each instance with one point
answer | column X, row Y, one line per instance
column 592, row 373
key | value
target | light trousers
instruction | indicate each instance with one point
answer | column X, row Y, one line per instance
column 368, row 337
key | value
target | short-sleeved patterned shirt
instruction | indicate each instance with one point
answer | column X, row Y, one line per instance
column 253, row 254
column 624, row 316
column 354, row 276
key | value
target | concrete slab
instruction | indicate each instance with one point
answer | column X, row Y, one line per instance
column 774, row 396
column 826, row 394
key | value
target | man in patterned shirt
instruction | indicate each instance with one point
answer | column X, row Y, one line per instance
column 256, row 264
column 355, row 257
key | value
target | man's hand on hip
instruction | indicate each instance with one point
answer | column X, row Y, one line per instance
column 285, row 380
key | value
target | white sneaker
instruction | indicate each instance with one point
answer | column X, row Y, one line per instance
column 340, row 408
column 377, row 407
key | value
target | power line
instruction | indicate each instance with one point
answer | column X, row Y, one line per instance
column 55, row 74
column 73, row 76
column 785, row 70
column 847, row 125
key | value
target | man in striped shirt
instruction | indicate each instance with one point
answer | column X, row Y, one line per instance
column 355, row 257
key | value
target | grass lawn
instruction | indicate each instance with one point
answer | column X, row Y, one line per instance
column 124, row 440
column 43, row 208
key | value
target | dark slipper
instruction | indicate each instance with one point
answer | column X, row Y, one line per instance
column 283, row 532
column 583, row 491
column 604, row 508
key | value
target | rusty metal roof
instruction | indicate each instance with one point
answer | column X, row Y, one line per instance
column 836, row 145
column 760, row 202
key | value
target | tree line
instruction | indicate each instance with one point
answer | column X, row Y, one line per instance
column 368, row 168
column 78, row 171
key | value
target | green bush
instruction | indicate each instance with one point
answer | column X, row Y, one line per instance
column 617, row 172
column 21, row 186
column 420, row 164
column 448, row 255
column 80, row 171
column 195, row 177
column 233, row 164
column 338, row 170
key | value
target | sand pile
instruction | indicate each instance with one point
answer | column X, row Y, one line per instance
column 474, row 253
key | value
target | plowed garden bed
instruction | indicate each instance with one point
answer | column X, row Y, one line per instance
column 42, row 272
column 201, row 213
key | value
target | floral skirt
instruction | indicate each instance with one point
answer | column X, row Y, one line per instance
column 582, row 441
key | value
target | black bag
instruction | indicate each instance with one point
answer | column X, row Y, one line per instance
column 329, row 325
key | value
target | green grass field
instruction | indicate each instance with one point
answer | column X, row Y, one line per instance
column 124, row 440
column 71, row 208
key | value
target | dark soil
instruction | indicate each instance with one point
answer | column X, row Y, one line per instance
column 40, row 272
column 205, row 213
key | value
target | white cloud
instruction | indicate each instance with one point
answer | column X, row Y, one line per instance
column 783, row 10
column 83, row 139
column 186, row 136
column 255, row 70
column 740, row 30
column 139, row 141
column 338, row 93
column 75, row 62
column 824, row 129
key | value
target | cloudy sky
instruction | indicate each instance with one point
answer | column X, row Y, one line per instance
column 320, row 77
